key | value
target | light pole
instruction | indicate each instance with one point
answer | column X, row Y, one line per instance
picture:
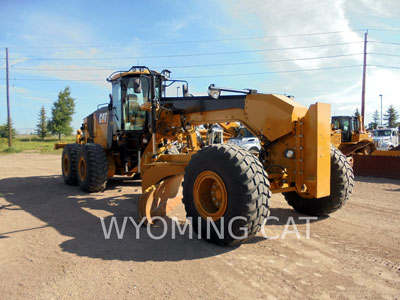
column 381, row 108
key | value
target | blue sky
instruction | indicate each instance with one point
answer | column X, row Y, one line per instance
column 53, row 44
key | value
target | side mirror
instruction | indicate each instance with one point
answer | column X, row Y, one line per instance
column 166, row 73
column 110, row 105
column 137, row 86
column 185, row 90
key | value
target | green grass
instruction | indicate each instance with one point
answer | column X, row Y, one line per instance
column 32, row 143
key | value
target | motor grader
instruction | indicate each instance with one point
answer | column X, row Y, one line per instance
column 144, row 131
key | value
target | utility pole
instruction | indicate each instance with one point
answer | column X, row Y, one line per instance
column 8, row 103
column 381, row 109
column 363, row 79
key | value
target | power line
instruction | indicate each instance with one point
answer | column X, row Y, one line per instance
column 386, row 43
column 273, row 72
column 195, row 66
column 378, row 29
column 383, row 54
column 195, row 54
column 34, row 79
column 380, row 66
column 200, row 41
column 212, row 75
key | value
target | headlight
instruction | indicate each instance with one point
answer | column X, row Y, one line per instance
column 289, row 153
column 213, row 92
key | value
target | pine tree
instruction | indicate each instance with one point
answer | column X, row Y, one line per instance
column 391, row 117
column 4, row 130
column 62, row 112
column 41, row 126
column 375, row 120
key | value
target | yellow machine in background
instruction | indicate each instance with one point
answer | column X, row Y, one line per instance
column 350, row 136
column 142, row 131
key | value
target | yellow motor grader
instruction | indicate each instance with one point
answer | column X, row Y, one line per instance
column 142, row 131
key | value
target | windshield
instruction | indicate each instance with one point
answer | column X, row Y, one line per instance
column 136, row 94
column 244, row 132
column 382, row 133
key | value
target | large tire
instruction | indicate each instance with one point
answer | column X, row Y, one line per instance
column 68, row 163
column 342, row 181
column 238, row 180
column 92, row 168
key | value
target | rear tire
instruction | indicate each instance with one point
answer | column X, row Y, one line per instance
column 239, row 177
column 68, row 163
column 92, row 168
column 342, row 181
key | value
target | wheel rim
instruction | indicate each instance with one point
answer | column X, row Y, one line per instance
column 65, row 165
column 210, row 195
column 82, row 168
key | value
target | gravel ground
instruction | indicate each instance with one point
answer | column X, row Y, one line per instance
column 52, row 246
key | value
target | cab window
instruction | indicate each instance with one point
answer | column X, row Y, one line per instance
column 116, row 96
column 137, row 93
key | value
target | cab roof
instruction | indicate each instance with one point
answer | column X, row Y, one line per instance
column 135, row 70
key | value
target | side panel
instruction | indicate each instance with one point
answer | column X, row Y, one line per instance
column 100, row 126
column 272, row 115
column 317, row 143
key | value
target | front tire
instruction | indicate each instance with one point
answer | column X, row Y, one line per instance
column 92, row 168
column 226, row 184
column 342, row 181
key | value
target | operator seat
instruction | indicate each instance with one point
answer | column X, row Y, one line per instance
column 136, row 117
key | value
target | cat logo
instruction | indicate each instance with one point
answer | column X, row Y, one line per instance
column 103, row 118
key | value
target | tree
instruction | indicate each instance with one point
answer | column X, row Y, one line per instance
column 357, row 113
column 62, row 112
column 41, row 126
column 4, row 130
column 375, row 120
column 391, row 117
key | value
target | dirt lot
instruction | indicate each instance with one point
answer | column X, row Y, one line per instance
column 52, row 246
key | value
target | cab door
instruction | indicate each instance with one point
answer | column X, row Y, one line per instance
column 346, row 129
column 117, row 106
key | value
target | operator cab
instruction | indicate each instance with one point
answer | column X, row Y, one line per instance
column 130, row 91
column 128, row 131
column 347, row 125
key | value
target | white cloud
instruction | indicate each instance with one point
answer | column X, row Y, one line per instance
column 342, row 87
column 174, row 28
column 87, row 65
column 308, row 16
column 381, row 8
